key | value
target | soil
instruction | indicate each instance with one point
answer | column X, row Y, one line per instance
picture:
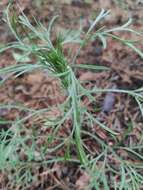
column 37, row 90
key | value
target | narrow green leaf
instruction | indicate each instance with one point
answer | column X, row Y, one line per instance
column 92, row 67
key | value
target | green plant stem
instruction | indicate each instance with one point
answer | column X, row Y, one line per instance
column 76, row 116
